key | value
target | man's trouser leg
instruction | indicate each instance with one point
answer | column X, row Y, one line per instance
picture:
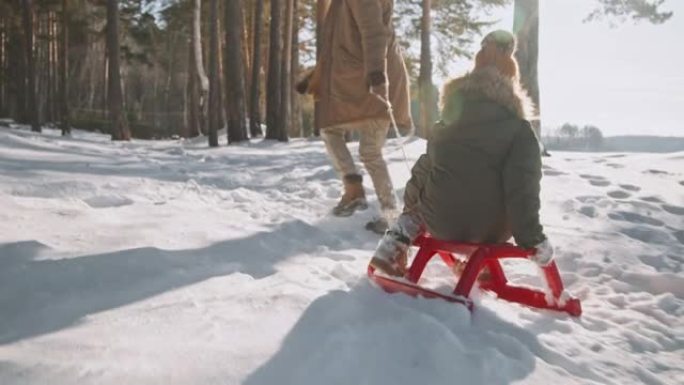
column 339, row 154
column 354, row 197
column 373, row 136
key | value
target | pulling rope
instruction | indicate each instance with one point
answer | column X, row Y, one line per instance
column 391, row 218
column 395, row 128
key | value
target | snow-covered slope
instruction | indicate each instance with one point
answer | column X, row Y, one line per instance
column 169, row 263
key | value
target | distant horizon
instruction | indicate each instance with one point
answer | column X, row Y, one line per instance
column 625, row 80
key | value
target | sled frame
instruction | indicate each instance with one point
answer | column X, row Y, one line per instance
column 479, row 257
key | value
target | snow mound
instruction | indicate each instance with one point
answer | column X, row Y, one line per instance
column 105, row 201
column 164, row 262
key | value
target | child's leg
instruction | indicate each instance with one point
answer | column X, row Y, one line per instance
column 415, row 185
column 390, row 255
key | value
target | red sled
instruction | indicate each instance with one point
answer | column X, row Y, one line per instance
column 480, row 256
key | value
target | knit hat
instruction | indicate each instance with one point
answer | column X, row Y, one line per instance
column 496, row 51
column 502, row 39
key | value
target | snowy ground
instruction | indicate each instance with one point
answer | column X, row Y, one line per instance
column 168, row 263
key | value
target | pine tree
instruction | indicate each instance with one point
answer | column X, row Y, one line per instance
column 273, row 93
column 65, row 123
column 254, row 114
column 234, row 73
column 29, row 42
column 214, row 81
column 428, row 104
column 117, row 118
column 286, row 73
column 526, row 28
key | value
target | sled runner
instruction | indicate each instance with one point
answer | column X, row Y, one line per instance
column 480, row 256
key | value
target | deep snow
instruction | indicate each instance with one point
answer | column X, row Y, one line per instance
column 169, row 263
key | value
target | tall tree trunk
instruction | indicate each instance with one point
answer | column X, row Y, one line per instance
column 172, row 39
column 193, row 124
column 50, row 54
column 3, row 66
column 321, row 11
column 273, row 94
column 17, row 59
column 245, row 36
column 119, row 125
column 214, row 82
column 65, row 123
column 286, row 74
column 234, row 73
column 296, row 120
column 199, row 64
column 32, row 112
column 428, row 104
column 526, row 27
column 254, row 115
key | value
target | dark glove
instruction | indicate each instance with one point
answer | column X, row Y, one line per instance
column 377, row 78
column 378, row 84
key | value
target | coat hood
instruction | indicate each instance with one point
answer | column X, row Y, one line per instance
column 489, row 84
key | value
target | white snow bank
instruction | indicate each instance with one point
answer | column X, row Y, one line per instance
column 170, row 263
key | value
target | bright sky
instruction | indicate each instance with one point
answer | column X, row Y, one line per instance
column 626, row 80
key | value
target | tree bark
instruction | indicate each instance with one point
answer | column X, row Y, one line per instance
column 234, row 73
column 273, row 94
column 32, row 113
column 286, row 75
column 119, row 125
column 65, row 122
column 254, row 115
column 321, row 11
column 17, row 57
column 214, row 82
column 52, row 67
column 199, row 72
column 296, row 113
column 526, row 27
column 193, row 120
column 428, row 104
column 4, row 78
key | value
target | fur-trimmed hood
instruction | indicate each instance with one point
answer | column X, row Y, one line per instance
column 490, row 84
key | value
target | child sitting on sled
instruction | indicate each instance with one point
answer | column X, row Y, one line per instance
column 479, row 181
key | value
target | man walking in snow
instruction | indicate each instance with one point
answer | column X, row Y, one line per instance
column 360, row 69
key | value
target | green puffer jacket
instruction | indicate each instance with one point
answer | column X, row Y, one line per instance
column 480, row 179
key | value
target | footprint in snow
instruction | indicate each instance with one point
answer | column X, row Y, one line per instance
column 630, row 187
column 681, row 182
column 662, row 263
column 107, row 201
column 634, row 218
column 589, row 211
column 619, row 194
column 649, row 235
column 599, row 183
column 679, row 234
column 615, row 165
column 596, row 180
column 590, row 199
column 676, row 210
column 656, row 172
column 554, row 173
column 652, row 199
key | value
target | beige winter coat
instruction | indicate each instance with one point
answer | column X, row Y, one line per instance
column 358, row 39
